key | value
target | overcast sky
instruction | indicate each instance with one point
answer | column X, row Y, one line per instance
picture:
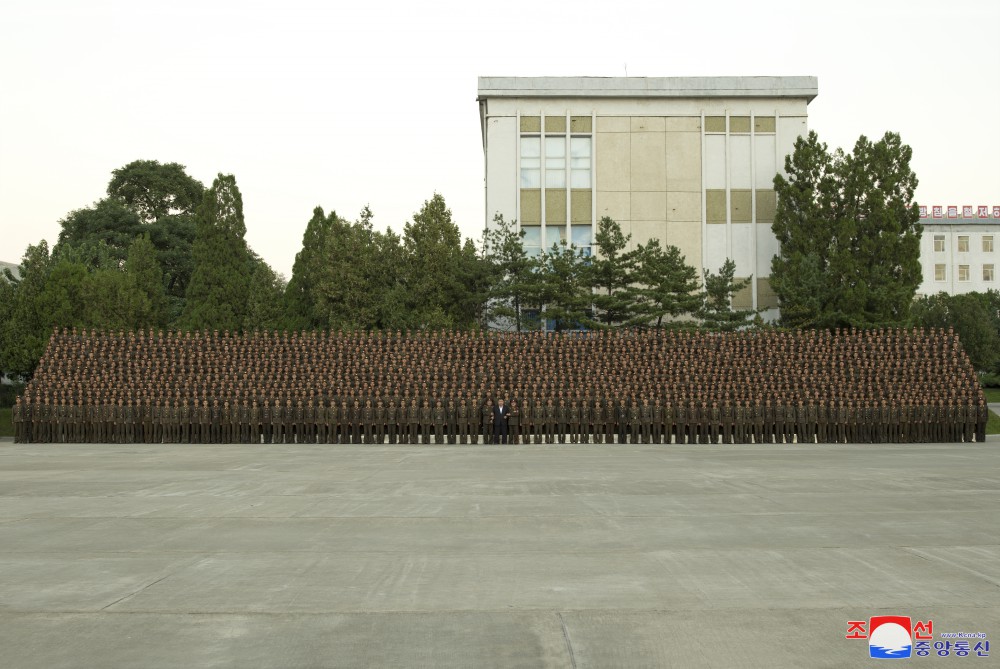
column 345, row 104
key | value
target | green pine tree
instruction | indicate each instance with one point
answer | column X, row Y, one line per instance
column 217, row 295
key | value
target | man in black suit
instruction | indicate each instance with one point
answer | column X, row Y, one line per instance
column 500, row 413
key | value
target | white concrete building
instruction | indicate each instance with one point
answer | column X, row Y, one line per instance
column 959, row 249
column 690, row 161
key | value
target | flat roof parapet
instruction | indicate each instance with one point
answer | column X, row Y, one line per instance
column 648, row 87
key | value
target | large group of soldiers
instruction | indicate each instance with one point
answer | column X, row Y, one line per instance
column 639, row 386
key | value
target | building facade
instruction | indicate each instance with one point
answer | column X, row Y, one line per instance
column 959, row 249
column 688, row 161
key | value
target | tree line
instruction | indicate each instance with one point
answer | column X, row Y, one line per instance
column 162, row 250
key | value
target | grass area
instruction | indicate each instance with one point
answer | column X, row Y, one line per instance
column 993, row 424
column 6, row 426
column 992, row 394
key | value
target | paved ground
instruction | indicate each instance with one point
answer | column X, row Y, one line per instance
column 554, row 556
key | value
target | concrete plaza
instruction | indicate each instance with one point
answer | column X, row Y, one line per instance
column 476, row 556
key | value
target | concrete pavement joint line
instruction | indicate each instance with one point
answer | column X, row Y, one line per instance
column 569, row 646
column 936, row 560
column 148, row 585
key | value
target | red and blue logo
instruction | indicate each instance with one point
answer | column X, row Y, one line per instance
column 890, row 637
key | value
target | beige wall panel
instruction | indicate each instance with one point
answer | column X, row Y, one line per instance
column 582, row 204
column 715, row 124
column 647, row 124
column 649, row 161
column 789, row 129
column 715, row 161
column 767, row 202
column 762, row 124
column 766, row 167
column 716, row 246
column 683, row 161
column 555, row 124
column 612, row 124
column 555, row 206
column 739, row 124
column 715, row 206
column 743, row 298
column 686, row 236
column 649, row 206
column 766, row 299
column 739, row 203
column 616, row 204
column 683, row 206
column 740, row 175
column 741, row 248
column 581, row 124
column 531, row 205
column 643, row 231
column 501, row 168
column 767, row 248
column 682, row 124
column 531, row 124
column 614, row 163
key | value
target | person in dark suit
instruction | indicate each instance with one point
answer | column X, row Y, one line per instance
column 500, row 413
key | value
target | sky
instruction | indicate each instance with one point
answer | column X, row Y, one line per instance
column 343, row 105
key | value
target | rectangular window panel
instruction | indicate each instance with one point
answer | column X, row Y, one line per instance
column 532, row 235
column 555, row 234
column 531, row 162
column 579, row 154
column 582, row 235
column 963, row 243
column 555, row 162
column 939, row 272
column 987, row 243
column 988, row 273
column 533, row 251
column 939, row 243
column 963, row 272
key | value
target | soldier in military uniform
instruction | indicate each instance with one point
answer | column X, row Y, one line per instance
column 514, row 422
column 601, row 421
column 982, row 417
column 451, row 421
column 203, row 414
column 682, row 423
column 17, row 417
column 108, row 422
column 392, row 422
column 550, row 421
column 486, row 418
column 128, row 420
column 621, row 419
column 254, row 425
column 412, row 422
column 573, row 421
column 562, row 421
column 276, row 431
column 185, row 417
column 439, row 418
column 376, row 434
column 147, row 420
